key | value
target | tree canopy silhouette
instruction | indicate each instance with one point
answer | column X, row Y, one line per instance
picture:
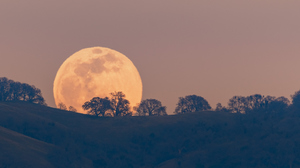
column 256, row 102
column 97, row 106
column 296, row 99
column 12, row 91
column 117, row 105
column 278, row 105
column 62, row 106
column 191, row 103
column 120, row 105
column 151, row 107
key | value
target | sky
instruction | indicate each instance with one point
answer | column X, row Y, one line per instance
column 213, row 49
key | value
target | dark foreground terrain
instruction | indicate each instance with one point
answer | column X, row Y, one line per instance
column 38, row 136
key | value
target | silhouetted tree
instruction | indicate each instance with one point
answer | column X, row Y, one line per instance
column 296, row 99
column 191, row 103
column 284, row 100
column 32, row 94
column 98, row 106
column 151, row 107
column 138, row 112
column 256, row 101
column 219, row 107
column 278, row 105
column 62, row 106
column 5, row 89
column 237, row 104
column 71, row 108
column 16, row 90
column 12, row 91
column 120, row 105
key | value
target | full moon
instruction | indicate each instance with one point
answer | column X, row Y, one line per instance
column 96, row 72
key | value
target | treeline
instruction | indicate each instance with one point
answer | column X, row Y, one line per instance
column 118, row 105
column 257, row 102
column 191, row 103
column 239, row 104
column 16, row 91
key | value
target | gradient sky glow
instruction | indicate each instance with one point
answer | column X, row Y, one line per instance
column 214, row 49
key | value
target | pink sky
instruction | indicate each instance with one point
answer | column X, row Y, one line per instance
column 214, row 49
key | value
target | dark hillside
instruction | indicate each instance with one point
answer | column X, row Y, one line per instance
column 18, row 150
column 201, row 139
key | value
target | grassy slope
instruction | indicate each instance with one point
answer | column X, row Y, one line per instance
column 206, row 139
column 18, row 150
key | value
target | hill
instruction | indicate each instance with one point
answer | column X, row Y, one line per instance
column 32, row 135
column 17, row 150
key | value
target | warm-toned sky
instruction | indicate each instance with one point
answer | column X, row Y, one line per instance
column 214, row 49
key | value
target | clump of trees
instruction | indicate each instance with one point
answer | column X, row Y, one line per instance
column 118, row 105
column 115, row 106
column 16, row 91
column 239, row 104
column 257, row 102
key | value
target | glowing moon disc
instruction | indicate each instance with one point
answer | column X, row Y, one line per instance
column 96, row 72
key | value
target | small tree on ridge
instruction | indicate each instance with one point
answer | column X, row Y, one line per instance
column 97, row 106
column 191, row 103
column 151, row 107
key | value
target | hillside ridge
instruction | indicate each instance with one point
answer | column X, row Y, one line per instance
column 200, row 139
